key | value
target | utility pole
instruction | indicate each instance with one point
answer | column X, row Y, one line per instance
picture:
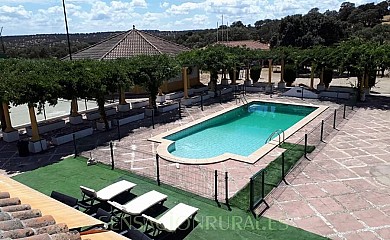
column 67, row 30
column 2, row 42
column 222, row 28
column 217, row 32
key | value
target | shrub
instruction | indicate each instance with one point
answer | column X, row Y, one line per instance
column 290, row 74
column 255, row 73
column 328, row 75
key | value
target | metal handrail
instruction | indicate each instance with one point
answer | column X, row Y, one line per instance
column 278, row 131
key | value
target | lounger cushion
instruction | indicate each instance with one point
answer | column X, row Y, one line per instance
column 176, row 216
column 114, row 189
column 141, row 203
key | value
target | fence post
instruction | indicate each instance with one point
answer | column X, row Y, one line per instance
column 112, row 155
column 75, row 145
column 119, row 132
column 251, row 193
column 283, row 170
column 322, row 130
column 262, row 185
column 227, row 190
column 216, row 187
column 201, row 101
column 305, row 145
column 153, row 118
column 334, row 119
column 179, row 109
column 158, row 169
column 344, row 111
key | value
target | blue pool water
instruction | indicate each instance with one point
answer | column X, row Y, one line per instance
column 240, row 131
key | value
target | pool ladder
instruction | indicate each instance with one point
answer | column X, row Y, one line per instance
column 279, row 132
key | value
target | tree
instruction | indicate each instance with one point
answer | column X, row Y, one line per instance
column 34, row 83
column 237, row 24
column 107, row 77
column 152, row 71
column 345, row 10
column 215, row 58
column 76, row 80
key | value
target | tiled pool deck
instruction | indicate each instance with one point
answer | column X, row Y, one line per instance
column 343, row 193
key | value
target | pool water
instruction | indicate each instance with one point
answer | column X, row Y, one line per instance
column 241, row 131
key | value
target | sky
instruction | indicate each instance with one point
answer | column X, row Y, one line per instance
column 24, row 17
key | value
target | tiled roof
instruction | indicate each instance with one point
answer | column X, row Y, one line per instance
column 19, row 221
column 247, row 43
column 129, row 44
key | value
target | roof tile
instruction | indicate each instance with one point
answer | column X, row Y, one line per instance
column 19, row 221
column 129, row 44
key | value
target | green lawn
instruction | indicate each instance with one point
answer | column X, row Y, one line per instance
column 213, row 222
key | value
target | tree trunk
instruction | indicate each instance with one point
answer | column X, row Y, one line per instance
column 74, row 111
column 122, row 98
column 7, row 118
column 2, row 118
column 102, row 112
column 34, row 123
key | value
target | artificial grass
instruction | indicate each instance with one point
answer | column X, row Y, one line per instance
column 213, row 222
column 273, row 175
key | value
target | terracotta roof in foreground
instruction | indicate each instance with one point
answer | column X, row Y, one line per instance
column 20, row 221
column 129, row 44
column 251, row 44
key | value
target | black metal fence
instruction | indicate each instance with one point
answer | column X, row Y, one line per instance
column 266, row 180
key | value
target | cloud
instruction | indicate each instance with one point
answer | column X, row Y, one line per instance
column 198, row 21
column 164, row 5
column 15, row 12
column 184, row 8
column 138, row 3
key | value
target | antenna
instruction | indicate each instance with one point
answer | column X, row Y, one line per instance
column 227, row 32
column 1, row 38
column 217, row 32
column 222, row 28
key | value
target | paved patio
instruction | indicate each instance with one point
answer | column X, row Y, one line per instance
column 344, row 192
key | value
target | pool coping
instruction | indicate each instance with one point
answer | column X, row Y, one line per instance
column 162, row 149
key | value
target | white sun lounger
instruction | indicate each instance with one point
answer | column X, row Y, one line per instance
column 173, row 219
column 141, row 203
column 106, row 193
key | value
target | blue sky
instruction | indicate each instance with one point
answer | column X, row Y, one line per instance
column 19, row 17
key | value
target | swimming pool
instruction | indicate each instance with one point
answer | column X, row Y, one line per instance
column 238, row 133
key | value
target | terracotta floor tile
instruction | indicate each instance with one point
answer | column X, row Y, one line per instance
column 326, row 205
column 297, row 209
column 336, row 188
column 310, row 191
column 344, row 222
column 314, row 224
column 373, row 217
column 352, row 202
column 361, row 236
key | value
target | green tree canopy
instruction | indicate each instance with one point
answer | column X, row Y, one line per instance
column 152, row 71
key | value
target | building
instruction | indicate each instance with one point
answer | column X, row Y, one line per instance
column 132, row 43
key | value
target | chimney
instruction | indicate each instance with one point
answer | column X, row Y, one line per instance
column 133, row 27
